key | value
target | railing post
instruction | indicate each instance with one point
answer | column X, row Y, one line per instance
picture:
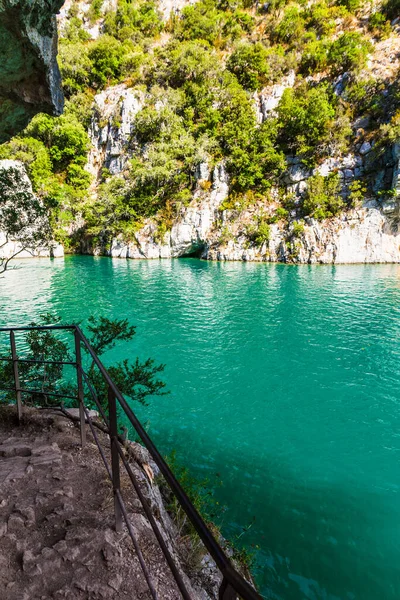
column 226, row 591
column 81, row 398
column 16, row 374
column 112, row 413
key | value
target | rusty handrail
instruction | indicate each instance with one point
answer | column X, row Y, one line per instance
column 233, row 585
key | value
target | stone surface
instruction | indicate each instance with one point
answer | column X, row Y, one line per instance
column 169, row 7
column 268, row 99
column 74, row 412
column 56, row 519
column 368, row 234
column 365, row 148
column 396, row 170
column 111, row 129
column 30, row 81
column 364, row 235
column 94, row 29
column 190, row 232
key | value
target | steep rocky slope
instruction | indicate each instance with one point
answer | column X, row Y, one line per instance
column 228, row 130
column 30, row 81
column 367, row 233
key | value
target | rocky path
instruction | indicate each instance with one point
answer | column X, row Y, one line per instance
column 56, row 519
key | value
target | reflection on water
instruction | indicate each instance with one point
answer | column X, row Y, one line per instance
column 284, row 381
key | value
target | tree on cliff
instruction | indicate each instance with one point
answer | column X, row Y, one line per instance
column 24, row 225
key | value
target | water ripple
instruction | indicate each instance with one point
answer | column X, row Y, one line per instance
column 284, row 380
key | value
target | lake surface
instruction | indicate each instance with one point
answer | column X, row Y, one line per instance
column 284, row 381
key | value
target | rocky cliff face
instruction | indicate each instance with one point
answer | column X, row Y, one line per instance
column 22, row 216
column 30, row 81
column 363, row 235
column 111, row 129
column 367, row 234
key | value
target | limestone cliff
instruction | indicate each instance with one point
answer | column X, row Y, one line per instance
column 209, row 222
column 206, row 228
column 30, row 81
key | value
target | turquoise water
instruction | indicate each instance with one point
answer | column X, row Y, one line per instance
column 284, row 380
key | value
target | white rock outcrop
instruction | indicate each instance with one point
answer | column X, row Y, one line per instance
column 191, row 230
column 95, row 28
column 363, row 235
column 268, row 99
column 111, row 128
column 22, row 217
column 169, row 7
column 368, row 234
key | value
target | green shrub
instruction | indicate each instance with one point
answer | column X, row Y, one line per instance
column 379, row 25
column 274, row 7
column 80, row 108
column 321, row 18
column 74, row 31
column 94, row 12
column 249, row 62
column 134, row 64
column 322, row 199
column 259, row 234
column 97, row 64
column 65, row 138
column 236, row 25
column 280, row 214
column 263, row 234
column 246, row 21
column 388, row 134
column 257, row 163
column 357, row 193
column 349, row 52
column 75, row 67
column 351, row 5
column 365, row 96
column 297, row 229
column 180, row 63
column 291, row 27
column 306, row 117
column 315, row 57
column 133, row 20
column 78, row 177
column 200, row 21
column 35, row 156
column 107, row 57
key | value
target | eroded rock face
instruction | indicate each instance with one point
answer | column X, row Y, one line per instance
column 30, row 80
column 23, row 216
column 192, row 230
column 363, row 235
column 111, row 129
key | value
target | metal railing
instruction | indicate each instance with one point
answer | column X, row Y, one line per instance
column 233, row 585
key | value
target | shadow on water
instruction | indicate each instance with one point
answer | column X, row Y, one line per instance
column 319, row 538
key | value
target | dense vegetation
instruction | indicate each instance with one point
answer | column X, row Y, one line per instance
column 199, row 71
